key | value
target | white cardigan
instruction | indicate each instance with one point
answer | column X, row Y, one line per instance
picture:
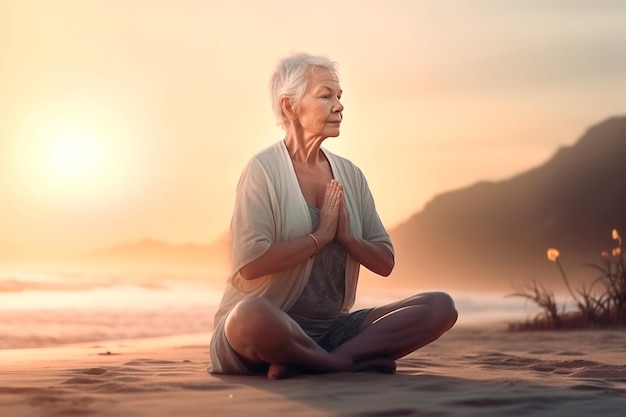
column 270, row 207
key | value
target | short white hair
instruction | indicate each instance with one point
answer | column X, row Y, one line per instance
column 291, row 79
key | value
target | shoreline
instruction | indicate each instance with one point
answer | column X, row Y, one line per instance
column 57, row 349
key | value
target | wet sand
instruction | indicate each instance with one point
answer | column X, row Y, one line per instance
column 471, row 371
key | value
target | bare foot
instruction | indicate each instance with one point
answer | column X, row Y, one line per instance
column 380, row 365
column 281, row 371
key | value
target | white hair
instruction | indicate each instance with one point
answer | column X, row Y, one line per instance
column 291, row 79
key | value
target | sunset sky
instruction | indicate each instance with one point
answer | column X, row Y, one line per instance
column 121, row 120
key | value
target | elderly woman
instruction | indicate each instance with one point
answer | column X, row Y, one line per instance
column 304, row 222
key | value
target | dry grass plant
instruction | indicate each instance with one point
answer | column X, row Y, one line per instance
column 598, row 305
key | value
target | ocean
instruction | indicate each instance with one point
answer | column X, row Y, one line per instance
column 48, row 309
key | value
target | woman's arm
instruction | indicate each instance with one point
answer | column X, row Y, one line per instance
column 282, row 255
column 375, row 256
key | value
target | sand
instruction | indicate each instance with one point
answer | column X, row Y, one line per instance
column 471, row 371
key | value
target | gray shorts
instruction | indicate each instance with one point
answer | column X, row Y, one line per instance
column 224, row 360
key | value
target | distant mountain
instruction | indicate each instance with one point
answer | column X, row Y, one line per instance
column 488, row 236
column 494, row 235
column 158, row 253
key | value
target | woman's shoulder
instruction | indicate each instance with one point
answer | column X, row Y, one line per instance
column 346, row 165
column 265, row 156
column 269, row 154
column 268, row 162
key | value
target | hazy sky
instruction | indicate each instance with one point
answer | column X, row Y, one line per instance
column 128, row 119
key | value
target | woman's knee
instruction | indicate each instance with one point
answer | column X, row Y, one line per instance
column 255, row 319
column 446, row 310
column 443, row 312
column 253, row 306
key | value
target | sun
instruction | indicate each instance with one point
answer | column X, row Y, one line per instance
column 74, row 157
column 69, row 164
column 74, row 153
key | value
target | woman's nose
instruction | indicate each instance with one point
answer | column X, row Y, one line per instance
column 338, row 107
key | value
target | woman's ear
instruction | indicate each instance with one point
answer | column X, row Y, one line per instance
column 287, row 109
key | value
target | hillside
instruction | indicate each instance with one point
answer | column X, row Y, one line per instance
column 488, row 236
column 494, row 235
column 155, row 253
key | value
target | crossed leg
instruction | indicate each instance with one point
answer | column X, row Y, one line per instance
column 261, row 333
column 397, row 329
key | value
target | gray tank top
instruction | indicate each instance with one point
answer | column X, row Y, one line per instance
column 322, row 297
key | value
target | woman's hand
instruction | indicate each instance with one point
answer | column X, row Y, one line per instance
column 330, row 212
column 286, row 254
column 344, row 234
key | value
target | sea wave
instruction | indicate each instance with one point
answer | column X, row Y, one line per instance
column 16, row 285
column 51, row 309
column 39, row 310
column 42, row 328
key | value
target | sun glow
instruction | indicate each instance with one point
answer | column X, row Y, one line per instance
column 69, row 164
column 75, row 157
column 72, row 154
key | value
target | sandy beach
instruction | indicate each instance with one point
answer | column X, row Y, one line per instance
column 471, row 371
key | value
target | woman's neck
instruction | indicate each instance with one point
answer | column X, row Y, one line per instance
column 304, row 150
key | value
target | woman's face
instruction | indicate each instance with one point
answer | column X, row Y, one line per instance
column 320, row 111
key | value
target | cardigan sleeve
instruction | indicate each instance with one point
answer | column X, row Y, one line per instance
column 364, row 220
column 372, row 226
column 252, row 228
